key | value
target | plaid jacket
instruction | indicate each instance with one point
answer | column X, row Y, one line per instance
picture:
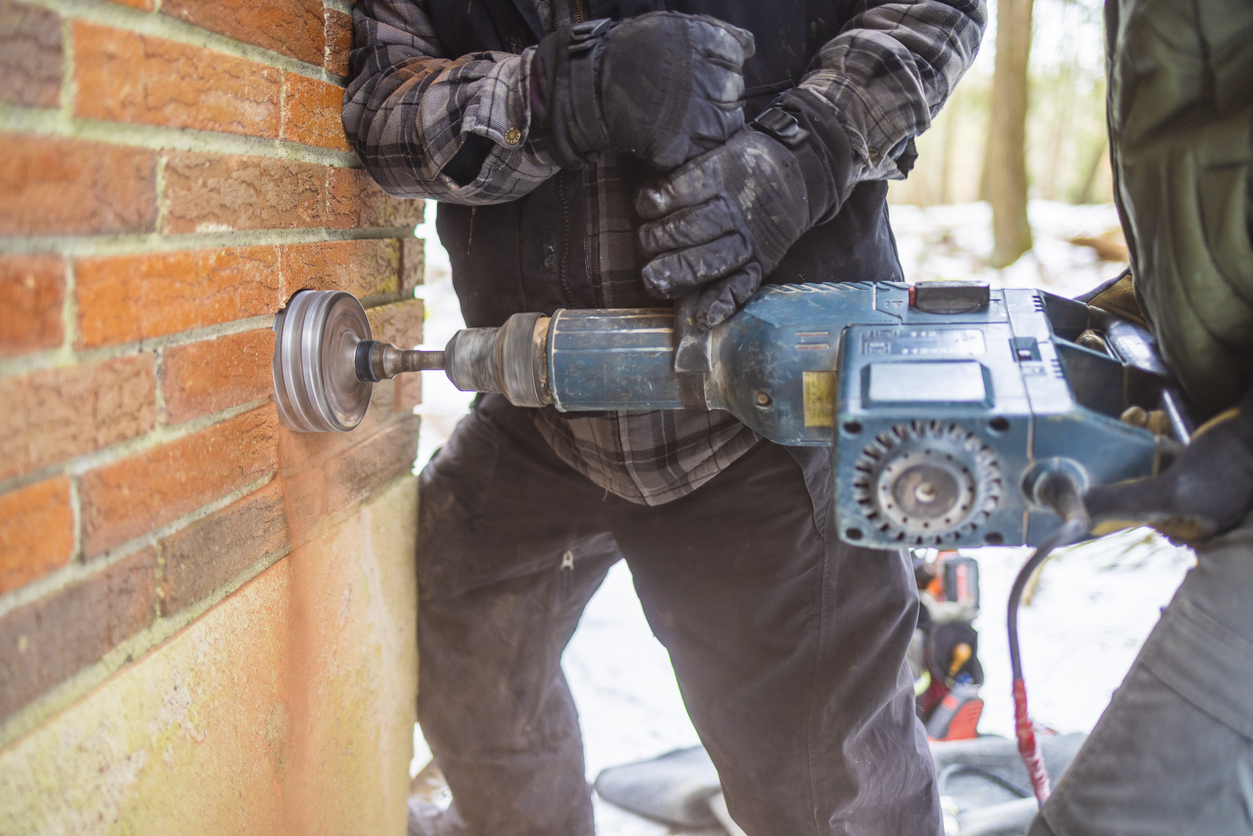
column 410, row 108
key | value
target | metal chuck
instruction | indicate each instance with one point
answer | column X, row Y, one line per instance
column 511, row 360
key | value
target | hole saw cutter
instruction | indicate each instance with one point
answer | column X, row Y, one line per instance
column 949, row 405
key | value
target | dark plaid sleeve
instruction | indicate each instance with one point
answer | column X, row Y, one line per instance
column 409, row 109
column 887, row 73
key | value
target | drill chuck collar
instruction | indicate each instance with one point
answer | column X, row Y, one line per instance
column 943, row 402
column 511, row 360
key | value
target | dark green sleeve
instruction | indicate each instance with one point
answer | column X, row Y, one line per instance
column 1181, row 131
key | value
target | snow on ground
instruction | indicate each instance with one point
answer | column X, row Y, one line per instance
column 1092, row 610
column 951, row 242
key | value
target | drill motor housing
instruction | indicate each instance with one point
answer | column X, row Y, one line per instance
column 946, row 402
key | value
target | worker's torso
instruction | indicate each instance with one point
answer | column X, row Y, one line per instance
column 571, row 242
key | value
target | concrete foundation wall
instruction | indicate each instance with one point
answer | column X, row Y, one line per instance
column 286, row 708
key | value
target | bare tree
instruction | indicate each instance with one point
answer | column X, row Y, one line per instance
column 1004, row 180
column 1098, row 155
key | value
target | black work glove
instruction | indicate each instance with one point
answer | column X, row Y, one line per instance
column 663, row 86
column 721, row 223
column 1207, row 490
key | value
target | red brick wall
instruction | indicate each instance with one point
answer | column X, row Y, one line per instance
column 172, row 171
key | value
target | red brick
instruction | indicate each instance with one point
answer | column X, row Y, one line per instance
column 132, row 297
column 412, row 263
column 51, row 416
column 408, row 392
column 311, row 112
column 212, row 551
column 354, row 200
column 382, row 405
column 292, row 27
column 208, row 193
column 298, row 451
column 31, row 55
column 399, row 324
column 36, row 532
column 32, row 293
column 50, row 185
column 340, row 482
column 127, row 77
column 363, row 268
column 207, row 377
column 370, row 465
column 133, row 496
column 45, row 642
column 338, row 41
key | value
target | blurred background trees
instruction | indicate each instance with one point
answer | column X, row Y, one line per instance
column 1003, row 179
column 1027, row 121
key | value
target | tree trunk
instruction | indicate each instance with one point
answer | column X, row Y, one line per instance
column 1088, row 186
column 1005, row 161
column 1063, row 95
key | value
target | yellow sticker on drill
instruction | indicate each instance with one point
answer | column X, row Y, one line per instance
column 819, row 399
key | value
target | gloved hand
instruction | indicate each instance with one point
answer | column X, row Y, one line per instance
column 722, row 222
column 1207, row 490
column 663, row 86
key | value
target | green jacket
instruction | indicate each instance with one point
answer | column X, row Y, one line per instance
column 1181, row 132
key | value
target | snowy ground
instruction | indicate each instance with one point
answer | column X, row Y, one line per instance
column 1092, row 610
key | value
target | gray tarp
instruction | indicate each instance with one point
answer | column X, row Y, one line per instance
column 681, row 788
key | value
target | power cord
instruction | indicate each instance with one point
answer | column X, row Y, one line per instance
column 1063, row 493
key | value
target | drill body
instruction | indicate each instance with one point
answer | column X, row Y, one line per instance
column 946, row 403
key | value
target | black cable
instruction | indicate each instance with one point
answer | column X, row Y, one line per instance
column 954, row 768
column 1064, row 533
column 1062, row 493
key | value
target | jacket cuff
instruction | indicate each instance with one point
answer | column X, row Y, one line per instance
column 564, row 110
column 822, row 150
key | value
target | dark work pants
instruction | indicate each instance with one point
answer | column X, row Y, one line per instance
column 1173, row 753
column 787, row 644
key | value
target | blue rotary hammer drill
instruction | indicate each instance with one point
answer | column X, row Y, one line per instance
column 954, row 410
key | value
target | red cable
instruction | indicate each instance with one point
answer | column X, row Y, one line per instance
column 1028, row 748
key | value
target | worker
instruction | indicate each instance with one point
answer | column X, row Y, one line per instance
column 1173, row 753
column 601, row 153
